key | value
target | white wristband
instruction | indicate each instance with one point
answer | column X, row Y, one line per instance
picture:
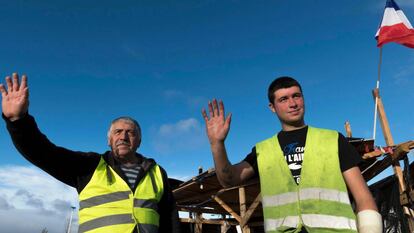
column 369, row 221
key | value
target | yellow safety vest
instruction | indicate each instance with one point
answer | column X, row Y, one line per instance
column 320, row 203
column 107, row 204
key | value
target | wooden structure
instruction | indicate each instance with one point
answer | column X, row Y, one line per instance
column 238, row 205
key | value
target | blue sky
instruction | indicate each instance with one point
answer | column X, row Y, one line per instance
column 161, row 61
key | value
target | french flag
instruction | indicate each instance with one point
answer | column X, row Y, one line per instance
column 395, row 27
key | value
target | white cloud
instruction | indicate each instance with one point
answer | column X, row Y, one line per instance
column 181, row 136
column 181, row 127
column 27, row 193
column 177, row 95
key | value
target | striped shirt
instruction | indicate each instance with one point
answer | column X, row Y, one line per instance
column 131, row 173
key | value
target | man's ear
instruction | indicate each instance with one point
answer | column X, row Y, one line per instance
column 272, row 108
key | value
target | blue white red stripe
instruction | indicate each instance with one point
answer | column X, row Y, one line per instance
column 395, row 27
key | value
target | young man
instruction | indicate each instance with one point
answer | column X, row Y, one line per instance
column 120, row 191
column 304, row 171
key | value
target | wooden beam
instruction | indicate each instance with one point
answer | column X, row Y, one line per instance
column 376, row 168
column 199, row 223
column 224, row 227
column 242, row 201
column 348, row 129
column 402, row 149
column 390, row 142
column 251, row 210
column 388, row 138
column 383, row 119
column 404, row 197
column 227, row 208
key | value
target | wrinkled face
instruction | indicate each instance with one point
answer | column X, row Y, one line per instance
column 289, row 106
column 123, row 139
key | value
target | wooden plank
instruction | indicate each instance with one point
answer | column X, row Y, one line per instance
column 199, row 223
column 376, row 168
column 372, row 154
column 388, row 138
column 242, row 200
column 402, row 149
column 390, row 142
column 227, row 208
column 224, row 227
column 404, row 197
column 251, row 209
column 348, row 129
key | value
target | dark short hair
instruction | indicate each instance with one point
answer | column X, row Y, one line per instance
column 279, row 83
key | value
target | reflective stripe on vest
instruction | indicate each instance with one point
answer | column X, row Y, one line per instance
column 149, row 204
column 113, row 207
column 106, row 221
column 313, row 220
column 306, row 194
column 103, row 199
column 320, row 203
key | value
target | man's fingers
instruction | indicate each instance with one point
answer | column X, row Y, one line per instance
column 15, row 77
column 228, row 119
column 3, row 91
column 26, row 91
column 24, row 82
column 215, row 108
column 203, row 112
column 9, row 84
column 221, row 108
column 210, row 109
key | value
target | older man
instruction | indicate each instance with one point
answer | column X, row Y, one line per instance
column 119, row 191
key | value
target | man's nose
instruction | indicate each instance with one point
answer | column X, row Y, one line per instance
column 292, row 102
column 124, row 135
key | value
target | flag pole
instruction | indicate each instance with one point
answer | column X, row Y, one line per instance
column 376, row 98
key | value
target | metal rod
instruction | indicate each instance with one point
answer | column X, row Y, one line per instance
column 376, row 98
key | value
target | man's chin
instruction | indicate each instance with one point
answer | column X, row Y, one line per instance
column 296, row 122
column 122, row 153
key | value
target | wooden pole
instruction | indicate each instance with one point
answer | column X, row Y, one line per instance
column 199, row 223
column 388, row 138
column 376, row 99
column 227, row 208
column 251, row 209
column 242, row 199
column 348, row 129
column 396, row 164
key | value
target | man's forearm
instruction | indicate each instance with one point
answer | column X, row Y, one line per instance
column 224, row 168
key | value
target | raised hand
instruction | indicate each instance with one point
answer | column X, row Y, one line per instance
column 217, row 125
column 15, row 101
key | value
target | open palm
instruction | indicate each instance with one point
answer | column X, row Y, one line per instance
column 217, row 124
column 15, row 100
